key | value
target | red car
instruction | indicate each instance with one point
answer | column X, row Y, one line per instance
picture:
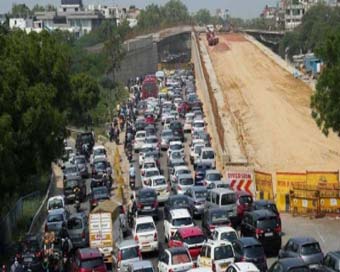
column 244, row 203
column 88, row 260
column 149, row 119
column 183, row 108
column 191, row 237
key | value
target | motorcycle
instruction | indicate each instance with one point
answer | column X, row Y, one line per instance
column 132, row 181
column 77, row 199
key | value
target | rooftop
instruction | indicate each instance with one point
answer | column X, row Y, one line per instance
column 72, row 2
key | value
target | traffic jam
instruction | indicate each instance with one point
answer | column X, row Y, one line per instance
column 181, row 215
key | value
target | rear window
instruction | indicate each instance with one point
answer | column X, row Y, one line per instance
column 208, row 155
column 182, row 222
column 254, row 251
column 180, row 258
column 214, row 177
column 219, row 216
column 186, row 181
column 229, row 236
column 176, row 147
column 151, row 140
column 310, row 249
column 147, row 269
column 228, row 199
column 157, row 182
column 145, row 227
column 246, row 200
column 194, row 240
column 147, row 194
column 54, row 218
column 151, row 173
column 129, row 253
column 267, row 223
column 223, row 252
column 180, row 202
column 92, row 263
column 299, row 269
column 74, row 223
column 201, row 194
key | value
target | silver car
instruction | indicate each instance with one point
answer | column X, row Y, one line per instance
column 126, row 252
column 141, row 266
column 78, row 230
column 166, row 137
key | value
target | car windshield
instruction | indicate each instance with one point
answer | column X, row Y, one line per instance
column 176, row 155
column 194, row 240
column 222, row 185
column 180, row 258
column 198, row 124
column 178, row 202
column 151, row 140
column 101, row 165
column 176, row 125
column 74, row 223
column 140, row 135
column 98, row 152
column 157, row 182
column 201, row 194
column 183, row 171
column 186, row 181
column 147, row 149
column 198, row 149
column 92, row 263
column 100, row 191
column 223, row 252
column 166, row 134
column 246, row 199
column 254, row 251
column 151, row 173
column 228, row 199
column 147, row 195
column 214, row 176
column 208, row 155
column 69, row 184
column 55, row 204
column 80, row 161
column 267, row 223
column 182, row 221
column 229, row 236
column 309, row 249
column 220, row 216
column 144, row 269
column 149, row 165
column 176, row 147
column 145, row 227
column 55, row 218
column 130, row 253
column 70, row 170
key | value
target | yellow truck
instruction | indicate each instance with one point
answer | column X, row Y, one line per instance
column 105, row 228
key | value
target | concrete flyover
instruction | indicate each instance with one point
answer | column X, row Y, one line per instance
column 270, row 38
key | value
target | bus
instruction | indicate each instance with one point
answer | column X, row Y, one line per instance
column 150, row 87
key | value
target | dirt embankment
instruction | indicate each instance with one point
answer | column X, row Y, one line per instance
column 272, row 107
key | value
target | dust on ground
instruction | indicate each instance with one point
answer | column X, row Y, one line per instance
column 272, row 107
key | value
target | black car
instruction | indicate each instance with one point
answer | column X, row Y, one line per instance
column 266, row 205
column 146, row 202
column 331, row 262
column 213, row 218
column 200, row 170
column 177, row 130
column 264, row 225
column 140, row 125
column 150, row 130
column 177, row 202
column 85, row 138
column 100, row 167
column 74, row 188
column 98, row 195
column 249, row 249
column 30, row 253
column 289, row 265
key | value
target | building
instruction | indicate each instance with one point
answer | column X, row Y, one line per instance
column 3, row 19
column 269, row 12
column 294, row 11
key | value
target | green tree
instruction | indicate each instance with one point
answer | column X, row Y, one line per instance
column 20, row 10
column 150, row 17
column 325, row 102
column 174, row 12
column 203, row 17
column 85, row 96
column 38, row 8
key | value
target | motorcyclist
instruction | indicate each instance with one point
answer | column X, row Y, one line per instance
column 16, row 266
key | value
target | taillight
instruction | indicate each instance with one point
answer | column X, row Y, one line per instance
column 155, row 204
column 122, row 211
column 170, row 270
column 139, row 254
column 155, row 237
column 242, row 259
column 168, row 189
column 259, row 231
column 83, row 235
column 205, row 183
column 46, row 228
column 211, row 227
column 179, row 187
column 139, row 205
column 136, row 238
column 213, row 266
column 38, row 254
column 277, row 229
column 120, row 256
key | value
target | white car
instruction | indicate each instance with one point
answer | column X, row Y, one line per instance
column 196, row 152
column 207, row 156
column 139, row 140
column 216, row 255
column 168, row 120
column 144, row 149
column 242, row 267
column 147, row 164
column 225, row 234
column 145, row 233
column 153, row 141
column 177, row 218
column 197, row 125
column 99, row 151
column 55, row 202
column 184, row 182
column 211, row 176
column 175, row 259
column 188, row 121
column 179, row 170
column 200, row 269
column 175, row 146
column 146, row 178
column 161, row 187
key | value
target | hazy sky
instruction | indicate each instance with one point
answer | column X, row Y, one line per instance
column 237, row 8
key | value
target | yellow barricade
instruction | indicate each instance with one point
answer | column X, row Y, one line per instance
column 264, row 185
column 322, row 178
column 285, row 181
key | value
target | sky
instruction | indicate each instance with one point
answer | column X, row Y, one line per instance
column 237, row 8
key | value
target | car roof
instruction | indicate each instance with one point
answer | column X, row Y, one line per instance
column 218, row 209
column 242, row 193
column 127, row 243
column 176, row 250
column 180, row 213
column 98, row 147
column 56, row 211
column 218, row 242
column 176, row 142
column 144, row 219
column 181, row 167
column 89, row 253
column 151, row 169
column 225, row 229
column 246, row 266
column 190, row 231
column 138, row 265
column 142, row 190
column 184, row 176
column 261, row 213
column 157, row 177
column 213, row 171
column 302, row 240
column 199, row 189
column 141, row 132
column 208, row 149
column 334, row 253
column 58, row 197
column 249, row 241
column 152, row 137
column 147, row 145
column 263, row 202
column 222, row 190
column 292, row 262
column 149, row 159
